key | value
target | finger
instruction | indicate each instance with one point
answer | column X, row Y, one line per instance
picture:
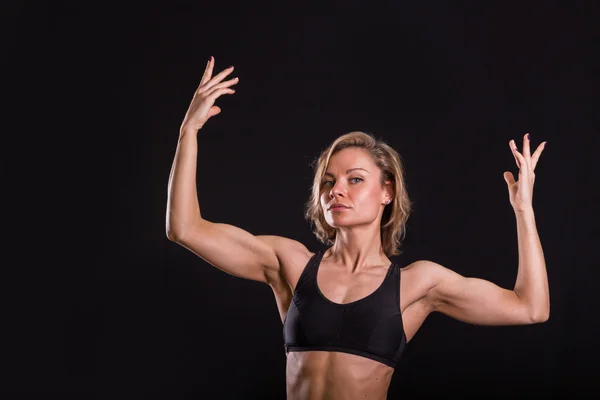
column 222, row 85
column 207, row 72
column 513, row 148
column 536, row 155
column 509, row 178
column 217, row 93
column 216, row 79
column 214, row 110
column 522, row 164
column 526, row 149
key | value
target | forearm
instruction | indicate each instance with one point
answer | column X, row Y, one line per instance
column 532, row 280
column 182, row 200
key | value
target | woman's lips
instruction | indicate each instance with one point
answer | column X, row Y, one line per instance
column 338, row 208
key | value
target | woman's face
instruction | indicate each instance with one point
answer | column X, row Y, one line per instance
column 353, row 181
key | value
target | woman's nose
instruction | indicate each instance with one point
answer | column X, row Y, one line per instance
column 336, row 190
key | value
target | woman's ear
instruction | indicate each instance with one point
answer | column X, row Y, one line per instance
column 389, row 192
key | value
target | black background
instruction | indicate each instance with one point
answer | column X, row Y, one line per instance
column 110, row 308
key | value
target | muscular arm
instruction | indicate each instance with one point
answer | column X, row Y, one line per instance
column 224, row 246
column 227, row 247
column 481, row 302
column 183, row 209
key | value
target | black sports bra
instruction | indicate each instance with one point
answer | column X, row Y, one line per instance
column 370, row 327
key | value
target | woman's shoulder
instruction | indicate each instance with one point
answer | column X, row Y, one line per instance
column 292, row 254
column 293, row 257
column 424, row 274
column 286, row 248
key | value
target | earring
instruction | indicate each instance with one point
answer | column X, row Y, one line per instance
column 387, row 202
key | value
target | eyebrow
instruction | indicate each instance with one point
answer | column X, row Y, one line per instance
column 347, row 171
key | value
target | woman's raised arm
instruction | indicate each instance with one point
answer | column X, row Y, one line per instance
column 226, row 247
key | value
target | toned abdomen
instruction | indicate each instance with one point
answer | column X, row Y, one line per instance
column 322, row 375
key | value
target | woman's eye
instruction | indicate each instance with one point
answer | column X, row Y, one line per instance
column 352, row 180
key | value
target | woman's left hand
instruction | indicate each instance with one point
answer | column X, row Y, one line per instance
column 521, row 191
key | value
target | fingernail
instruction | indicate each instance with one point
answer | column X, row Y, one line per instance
column 528, row 136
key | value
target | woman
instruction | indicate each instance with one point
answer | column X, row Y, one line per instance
column 348, row 311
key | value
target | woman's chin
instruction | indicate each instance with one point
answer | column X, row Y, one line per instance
column 339, row 222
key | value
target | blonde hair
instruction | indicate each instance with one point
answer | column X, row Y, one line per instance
column 395, row 215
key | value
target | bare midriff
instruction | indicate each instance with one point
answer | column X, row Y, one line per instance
column 324, row 375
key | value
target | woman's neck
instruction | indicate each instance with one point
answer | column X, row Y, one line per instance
column 357, row 249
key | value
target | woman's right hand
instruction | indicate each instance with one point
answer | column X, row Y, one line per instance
column 202, row 106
